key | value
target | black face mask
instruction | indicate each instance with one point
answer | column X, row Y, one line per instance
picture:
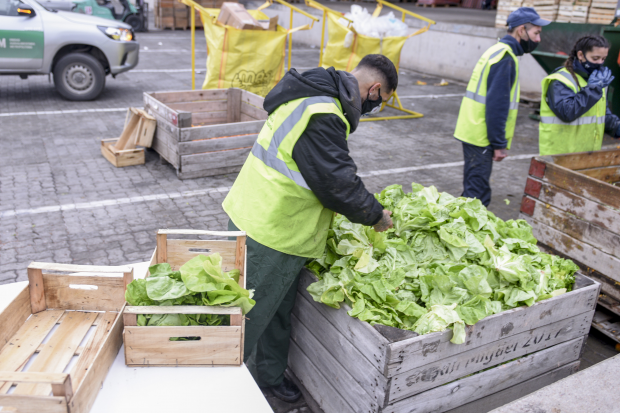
column 528, row 45
column 371, row 106
column 591, row 67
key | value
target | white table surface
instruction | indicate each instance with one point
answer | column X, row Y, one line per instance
column 169, row 389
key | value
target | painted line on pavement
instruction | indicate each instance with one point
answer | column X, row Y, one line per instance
column 450, row 95
column 62, row 112
column 162, row 71
column 224, row 189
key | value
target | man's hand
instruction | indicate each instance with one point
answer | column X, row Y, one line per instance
column 499, row 154
column 385, row 223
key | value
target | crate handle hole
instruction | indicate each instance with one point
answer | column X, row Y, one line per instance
column 83, row 287
column 185, row 338
column 200, row 250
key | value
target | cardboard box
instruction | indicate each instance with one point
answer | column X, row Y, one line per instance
column 235, row 15
column 271, row 24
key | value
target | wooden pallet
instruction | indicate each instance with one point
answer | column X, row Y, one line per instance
column 205, row 132
column 346, row 365
column 217, row 345
column 43, row 328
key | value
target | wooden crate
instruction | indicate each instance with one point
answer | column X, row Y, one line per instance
column 171, row 14
column 205, row 132
column 573, row 207
column 126, row 157
column 346, row 365
column 218, row 345
column 76, row 304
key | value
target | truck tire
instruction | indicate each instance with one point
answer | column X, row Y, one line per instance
column 79, row 76
column 135, row 22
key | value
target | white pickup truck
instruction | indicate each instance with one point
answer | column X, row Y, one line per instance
column 79, row 50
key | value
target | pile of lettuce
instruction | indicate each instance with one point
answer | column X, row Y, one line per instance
column 200, row 281
column 446, row 263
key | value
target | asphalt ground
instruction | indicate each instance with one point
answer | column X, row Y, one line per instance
column 61, row 201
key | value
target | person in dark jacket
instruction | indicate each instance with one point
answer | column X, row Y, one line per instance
column 574, row 110
column 488, row 114
column 300, row 173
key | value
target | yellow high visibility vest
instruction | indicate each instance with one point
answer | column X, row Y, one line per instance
column 471, row 126
column 581, row 135
column 270, row 199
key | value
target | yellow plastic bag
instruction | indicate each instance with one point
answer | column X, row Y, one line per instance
column 347, row 58
column 248, row 59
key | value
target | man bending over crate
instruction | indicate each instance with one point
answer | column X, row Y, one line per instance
column 298, row 174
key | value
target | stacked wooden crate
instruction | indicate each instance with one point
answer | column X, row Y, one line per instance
column 602, row 11
column 504, row 8
column 573, row 204
column 171, row 14
column 580, row 11
column 547, row 9
column 565, row 11
column 345, row 365
column 205, row 132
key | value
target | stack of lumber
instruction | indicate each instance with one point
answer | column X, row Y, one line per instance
column 547, row 9
column 504, row 8
column 171, row 14
column 580, row 11
column 573, row 204
column 602, row 11
column 565, row 11
column 139, row 130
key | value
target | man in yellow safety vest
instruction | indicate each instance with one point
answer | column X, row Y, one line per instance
column 297, row 175
column 488, row 114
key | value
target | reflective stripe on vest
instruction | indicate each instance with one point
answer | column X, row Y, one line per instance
column 584, row 120
column 514, row 103
column 270, row 156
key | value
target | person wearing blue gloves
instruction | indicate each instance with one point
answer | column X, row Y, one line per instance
column 573, row 111
column 488, row 114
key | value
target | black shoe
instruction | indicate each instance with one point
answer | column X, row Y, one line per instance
column 287, row 391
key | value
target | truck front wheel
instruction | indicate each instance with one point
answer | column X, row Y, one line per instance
column 79, row 76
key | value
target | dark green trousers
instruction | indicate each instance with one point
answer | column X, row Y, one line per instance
column 273, row 276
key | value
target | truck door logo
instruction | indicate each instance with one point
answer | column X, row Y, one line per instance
column 3, row 43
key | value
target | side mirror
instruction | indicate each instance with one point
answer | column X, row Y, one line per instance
column 24, row 10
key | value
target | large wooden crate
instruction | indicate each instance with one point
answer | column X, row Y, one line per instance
column 573, row 206
column 346, row 365
column 205, row 132
column 43, row 329
column 217, row 345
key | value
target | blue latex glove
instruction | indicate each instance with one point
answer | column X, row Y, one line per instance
column 600, row 78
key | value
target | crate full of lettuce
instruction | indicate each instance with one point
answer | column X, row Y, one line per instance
column 190, row 309
column 451, row 307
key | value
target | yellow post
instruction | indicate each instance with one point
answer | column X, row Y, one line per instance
column 322, row 38
column 290, row 41
column 193, row 20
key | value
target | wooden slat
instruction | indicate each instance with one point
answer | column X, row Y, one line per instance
column 483, row 384
column 230, row 170
column 216, row 131
column 464, row 363
column 26, row 340
column 182, row 309
column 33, row 377
column 583, row 185
column 217, row 144
column 179, row 251
column 59, row 349
column 343, row 382
column 363, row 371
column 202, row 232
column 585, row 160
column 165, row 145
column 360, row 334
column 579, row 250
column 163, row 113
column 37, row 290
column 240, row 257
column 254, row 112
column 39, row 404
column 95, row 343
column 315, row 382
column 189, row 96
column 14, row 315
column 246, row 118
column 128, row 132
column 608, row 324
column 608, row 174
column 210, row 160
column 87, row 391
column 162, row 248
column 201, row 106
column 151, row 345
column 579, row 206
column 577, row 228
column 80, row 268
column 234, row 105
column 109, row 295
column 418, row 351
column 212, row 118
column 252, row 99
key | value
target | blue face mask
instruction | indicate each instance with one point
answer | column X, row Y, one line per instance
column 591, row 67
column 371, row 106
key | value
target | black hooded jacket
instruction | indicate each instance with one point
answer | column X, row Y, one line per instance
column 569, row 106
column 322, row 153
